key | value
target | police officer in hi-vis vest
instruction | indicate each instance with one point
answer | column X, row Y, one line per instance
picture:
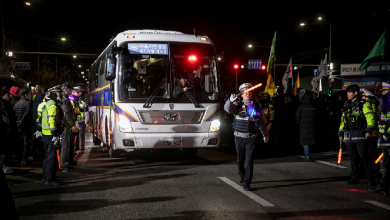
column 81, row 119
column 248, row 119
column 50, row 122
column 357, row 125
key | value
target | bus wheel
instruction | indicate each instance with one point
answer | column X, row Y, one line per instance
column 96, row 140
column 190, row 152
column 113, row 153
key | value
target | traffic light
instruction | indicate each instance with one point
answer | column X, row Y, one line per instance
column 242, row 66
column 330, row 88
column 296, row 68
column 235, row 66
column 263, row 67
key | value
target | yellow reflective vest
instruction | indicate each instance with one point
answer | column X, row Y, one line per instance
column 49, row 118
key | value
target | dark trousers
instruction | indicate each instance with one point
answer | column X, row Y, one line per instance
column 385, row 181
column 356, row 151
column 372, row 149
column 25, row 140
column 50, row 162
column 80, row 136
column 245, row 148
column 74, row 143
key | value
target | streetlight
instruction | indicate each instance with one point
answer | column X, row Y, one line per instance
column 302, row 24
column 219, row 58
column 320, row 18
column 28, row 3
column 250, row 45
column 79, row 66
column 74, row 56
column 10, row 53
column 63, row 39
column 82, row 72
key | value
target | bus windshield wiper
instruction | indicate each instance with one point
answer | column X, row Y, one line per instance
column 192, row 99
column 151, row 97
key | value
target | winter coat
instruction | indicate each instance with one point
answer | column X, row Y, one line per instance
column 24, row 115
column 66, row 106
column 14, row 100
column 306, row 116
column 38, row 100
column 4, row 129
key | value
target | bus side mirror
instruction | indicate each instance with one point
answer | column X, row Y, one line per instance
column 111, row 67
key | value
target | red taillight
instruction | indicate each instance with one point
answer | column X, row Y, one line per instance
column 192, row 58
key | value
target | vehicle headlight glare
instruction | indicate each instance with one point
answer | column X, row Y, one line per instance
column 215, row 125
column 124, row 124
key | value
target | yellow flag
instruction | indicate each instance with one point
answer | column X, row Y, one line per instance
column 297, row 85
column 270, row 87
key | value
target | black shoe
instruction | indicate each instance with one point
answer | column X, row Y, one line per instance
column 52, row 183
column 43, row 180
column 353, row 181
column 242, row 181
column 308, row 158
column 247, row 188
column 73, row 162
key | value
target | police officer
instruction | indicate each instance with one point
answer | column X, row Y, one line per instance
column 69, row 125
column 39, row 114
column 384, row 143
column 357, row 124
column 267, row 109
column 369, row 98
column 81, row 118
column 50, row 120
column 247, row 121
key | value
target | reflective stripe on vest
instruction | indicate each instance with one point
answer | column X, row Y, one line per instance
column 47, row 114
column 80, row 116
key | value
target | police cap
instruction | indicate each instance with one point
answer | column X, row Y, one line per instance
column 55, row 89
column 66, row 86
column 365, row 92
column 245, row 86
column 76, row 89
column 385, row 86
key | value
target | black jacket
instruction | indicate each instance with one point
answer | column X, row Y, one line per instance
column 14, row 100
column 38, row 100
column 24, row 115
column 306, row 117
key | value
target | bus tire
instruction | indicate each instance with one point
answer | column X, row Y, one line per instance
column 113, row 153
column 190, row 152
column 96, row 140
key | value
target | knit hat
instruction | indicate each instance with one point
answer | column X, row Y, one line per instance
column 15, row 91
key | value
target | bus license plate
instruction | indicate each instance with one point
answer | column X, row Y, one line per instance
column 176, row 142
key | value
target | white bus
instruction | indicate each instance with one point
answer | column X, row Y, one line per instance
column 137, row 98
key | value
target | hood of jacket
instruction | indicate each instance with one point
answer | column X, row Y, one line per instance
column 306, row 98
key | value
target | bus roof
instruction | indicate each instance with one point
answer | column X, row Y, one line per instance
column 160, row 35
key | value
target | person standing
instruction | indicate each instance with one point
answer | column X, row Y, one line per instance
column 50, row 137
column 357, row 124
column 267, row 109
column 15, row 95
column 25, row 122
column 69, row 125
column 306, row 117
column 82, row 118
column 247, row 121
column 13, row 130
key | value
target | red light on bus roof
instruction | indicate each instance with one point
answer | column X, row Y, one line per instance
column 192, row 58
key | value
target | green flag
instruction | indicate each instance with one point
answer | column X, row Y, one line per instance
column 377, row 51
column 272, row 57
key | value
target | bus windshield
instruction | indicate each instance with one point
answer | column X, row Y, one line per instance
column 172, row 72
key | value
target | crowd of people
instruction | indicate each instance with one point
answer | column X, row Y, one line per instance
column 355, row 118
column 52, row 123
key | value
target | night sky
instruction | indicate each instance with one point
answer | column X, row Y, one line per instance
column 232, row 26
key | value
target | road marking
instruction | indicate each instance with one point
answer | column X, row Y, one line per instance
column 251, row 195
column 330, row 164
column 379, row 204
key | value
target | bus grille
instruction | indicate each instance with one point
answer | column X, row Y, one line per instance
column 171, row 117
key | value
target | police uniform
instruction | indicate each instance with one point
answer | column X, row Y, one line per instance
column 81, row 119
column 373, row 139
column 50, row 120
column 357, row 120
column 384, row 144
column 248, row 120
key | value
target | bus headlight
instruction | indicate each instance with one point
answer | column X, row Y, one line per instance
column 215, row 125
column 124, row 124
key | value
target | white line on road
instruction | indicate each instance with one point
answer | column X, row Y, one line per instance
column 330, row 164
column 251, row 195
column 379, row 204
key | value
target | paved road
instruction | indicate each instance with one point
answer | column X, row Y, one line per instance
column 165, row 185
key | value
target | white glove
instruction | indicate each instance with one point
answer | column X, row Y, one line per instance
column 385, row 138
column 37, row 134
column 77, row 125
column 233, row 97
column 55, row 139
